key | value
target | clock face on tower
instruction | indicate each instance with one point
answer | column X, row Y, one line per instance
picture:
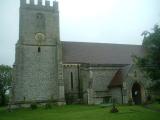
column 39, row 37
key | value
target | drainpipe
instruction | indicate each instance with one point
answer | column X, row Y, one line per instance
column 79, row 86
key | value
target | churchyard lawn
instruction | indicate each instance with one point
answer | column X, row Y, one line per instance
column 80, row 112
column 155, row 106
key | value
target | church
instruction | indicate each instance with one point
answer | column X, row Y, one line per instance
column 47, row 69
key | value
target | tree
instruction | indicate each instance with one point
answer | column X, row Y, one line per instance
column 150, row 62
column 5, row 81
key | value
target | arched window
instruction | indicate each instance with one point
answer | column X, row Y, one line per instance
column 71, row 81
column 39, row 49
column 40, row 22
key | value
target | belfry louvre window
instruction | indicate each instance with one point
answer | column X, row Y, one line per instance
column 40, row 22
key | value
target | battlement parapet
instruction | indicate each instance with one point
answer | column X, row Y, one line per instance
column 31, row 4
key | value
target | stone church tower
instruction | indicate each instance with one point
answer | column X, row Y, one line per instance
column 38, row 70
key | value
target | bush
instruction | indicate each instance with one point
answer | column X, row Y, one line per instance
column 158, row 99
column 48, row 106
column 148, row 100
column 33, row 106
column 4, row 100
column 114, row 110
column 69, row 98
column 130, row 101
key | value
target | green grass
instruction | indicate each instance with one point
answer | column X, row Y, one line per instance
column 155, row 106
column 80, row 112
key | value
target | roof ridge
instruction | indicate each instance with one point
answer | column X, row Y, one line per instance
column 100, row 43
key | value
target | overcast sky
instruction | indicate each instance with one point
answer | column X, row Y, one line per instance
column 107, row 21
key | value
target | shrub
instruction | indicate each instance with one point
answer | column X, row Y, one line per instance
column 146, row 103
column 4, row 100
column 114, row 110
column 158, row 99
column 130, row 101
column 48, row 106
column 69, row 98
column 33, row 106
column 148, row 100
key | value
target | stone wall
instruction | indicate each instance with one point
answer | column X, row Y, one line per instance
column 84, row 78
column 116, row 94
column 71, row 81
column 95, row 81
column 37, row 74
column 101, row 77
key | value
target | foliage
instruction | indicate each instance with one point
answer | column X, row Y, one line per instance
column 130, row 101
column 157, row 99
column 114, row 109
column 69, row 98
column 148, row 100
column 48, row 105
column 33, row 106
column 5, row 81
column 150, row 62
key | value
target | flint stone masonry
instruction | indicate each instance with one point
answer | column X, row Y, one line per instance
column 37, row 75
